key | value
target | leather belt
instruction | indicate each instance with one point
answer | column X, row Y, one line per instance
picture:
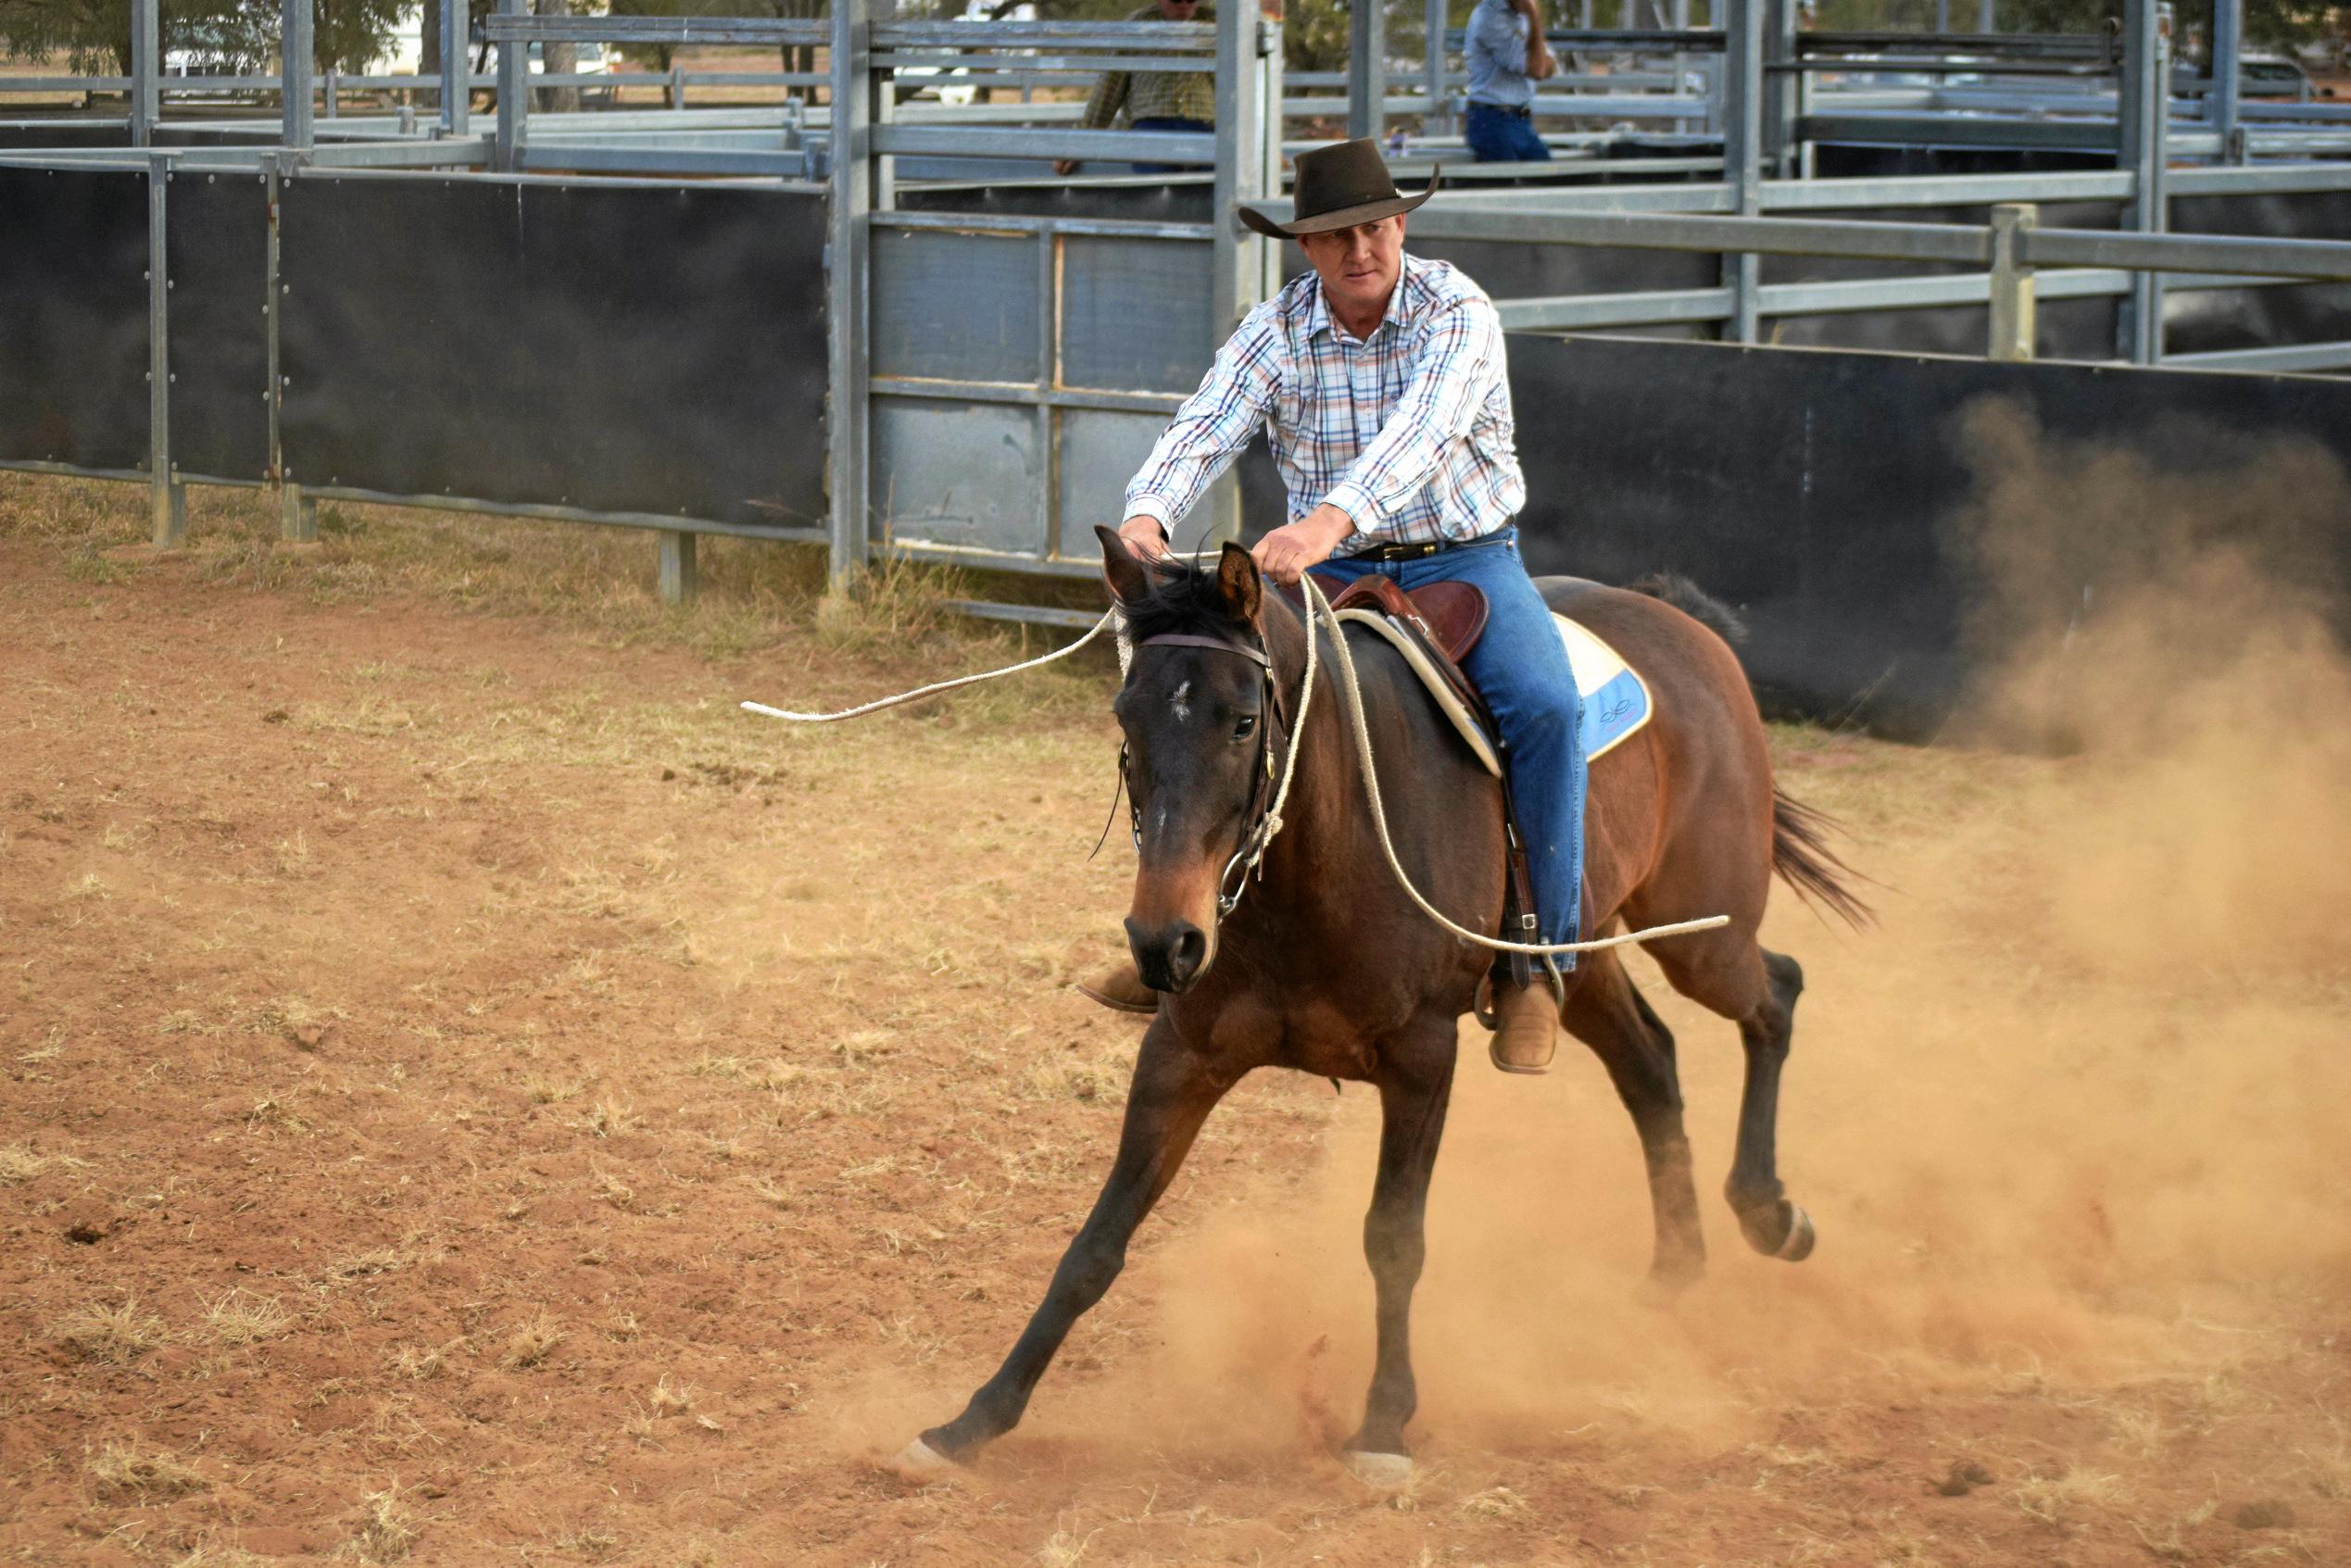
column 1515, row 111
column 1416, row 552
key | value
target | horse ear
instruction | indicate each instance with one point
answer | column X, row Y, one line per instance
column 1128, row 581
column 1238, row 580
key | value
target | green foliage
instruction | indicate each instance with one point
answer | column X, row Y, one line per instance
column 94, row 35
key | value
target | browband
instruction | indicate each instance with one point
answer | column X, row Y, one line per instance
column 1191, row 641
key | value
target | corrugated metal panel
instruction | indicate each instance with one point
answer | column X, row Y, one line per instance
column 1134, row 314
column 956, row 306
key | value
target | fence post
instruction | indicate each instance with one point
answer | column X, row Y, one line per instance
column 2012, row 290
column 1743, row 90
column 296, row 52
column 146, row 64
column 849, row 147
column 514, row 95
column 677, row 86
column 680, row 580
column 1366, row 67
column 297, row 513
column 167, row 498
column 2145, row 106
column 456, row 67
column 2225, row 104
column 1437, row 118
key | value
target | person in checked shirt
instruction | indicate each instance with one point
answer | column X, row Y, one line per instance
column 1153, row 100
column 1379, row 378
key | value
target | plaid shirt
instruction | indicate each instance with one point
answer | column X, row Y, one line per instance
column 1152, row 94
column 1408, row 432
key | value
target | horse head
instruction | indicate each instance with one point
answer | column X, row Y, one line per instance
column 1198, row 710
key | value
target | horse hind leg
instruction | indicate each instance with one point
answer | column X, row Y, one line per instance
column 1607, row 1012
column 1773, row 1225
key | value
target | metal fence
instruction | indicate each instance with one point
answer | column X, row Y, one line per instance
column 990, row 377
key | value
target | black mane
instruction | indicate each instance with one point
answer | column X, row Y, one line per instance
column 1184, row 598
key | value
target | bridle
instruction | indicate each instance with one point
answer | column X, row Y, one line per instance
column 1261, row 818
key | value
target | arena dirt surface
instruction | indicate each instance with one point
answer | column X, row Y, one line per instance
column 473, row 1097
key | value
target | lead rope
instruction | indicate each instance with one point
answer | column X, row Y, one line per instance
column 1109, row 618
column 1320, row 609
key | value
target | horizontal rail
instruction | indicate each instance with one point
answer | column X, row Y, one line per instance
column 975, row 141
column 2313, row 260
column 2288, row 357
column 1166, row 37
column 2317, row 261
column 1012, row 223
column 501, row 28
column 945, row 59
column 1036, row 615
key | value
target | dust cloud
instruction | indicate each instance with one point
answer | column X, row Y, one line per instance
column 2075, row 1112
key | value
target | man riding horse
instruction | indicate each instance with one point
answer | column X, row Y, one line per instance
column 1381, row 379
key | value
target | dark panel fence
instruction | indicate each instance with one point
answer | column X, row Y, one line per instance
column 73, row 317
column 1816, row 491
column 217, row 249
column 619, row 348
column 638, row 352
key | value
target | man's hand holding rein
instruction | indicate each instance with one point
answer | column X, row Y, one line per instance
column 1287, row 553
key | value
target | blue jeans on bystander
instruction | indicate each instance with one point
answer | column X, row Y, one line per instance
column 1500, row 135
column 1520, row 667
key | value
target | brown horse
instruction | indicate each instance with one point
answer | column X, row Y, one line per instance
column 1326, row 968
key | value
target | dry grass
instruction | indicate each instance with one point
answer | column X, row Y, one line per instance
column 752, row 593
column 532, row 1343
column 21, row 1162
column 1495, row 1502
column 2054, row 1499
column 240, row 1317
column 115, row 1335
column 388, row 1528
column 1096, row 1077
column 118, row 1473
column 669, row 1398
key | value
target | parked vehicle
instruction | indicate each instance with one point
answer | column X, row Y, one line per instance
column 2265, row 77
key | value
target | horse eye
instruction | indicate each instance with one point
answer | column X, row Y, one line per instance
column 1245, row 726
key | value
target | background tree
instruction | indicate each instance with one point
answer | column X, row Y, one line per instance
column 94, row 35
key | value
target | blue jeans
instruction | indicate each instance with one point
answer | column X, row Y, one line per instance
column 1521, row 669
column 1498, row 136
column 1168, row 122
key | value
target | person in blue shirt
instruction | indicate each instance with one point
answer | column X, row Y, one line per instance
column 1507, row 56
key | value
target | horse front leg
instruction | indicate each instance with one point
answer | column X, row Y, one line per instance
column 1172, row 1096
column 1415, row 1085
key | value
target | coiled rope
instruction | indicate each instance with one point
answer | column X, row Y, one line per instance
column 1318, row 612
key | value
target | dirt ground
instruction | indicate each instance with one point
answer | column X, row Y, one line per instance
column 472, row 1095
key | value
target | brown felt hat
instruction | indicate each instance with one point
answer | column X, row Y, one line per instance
column 1339, row 187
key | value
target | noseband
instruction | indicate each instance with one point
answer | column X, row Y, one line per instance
column 1259, row 823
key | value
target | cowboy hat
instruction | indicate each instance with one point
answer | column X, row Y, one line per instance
column 1339, row 187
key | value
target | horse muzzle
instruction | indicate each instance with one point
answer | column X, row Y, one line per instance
column 1171, row 954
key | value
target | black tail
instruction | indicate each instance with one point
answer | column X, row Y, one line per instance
column 1675, row 589
column 1800, row 853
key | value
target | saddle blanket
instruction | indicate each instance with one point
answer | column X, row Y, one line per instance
column 1616, row 700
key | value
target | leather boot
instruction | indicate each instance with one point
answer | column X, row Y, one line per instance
column 1121, row 989
column 1529, row 1031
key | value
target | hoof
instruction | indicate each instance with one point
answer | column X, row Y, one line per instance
column 919, row 1462
column 1381, row 1472
column 1780, row 1230
column 1801, row 1237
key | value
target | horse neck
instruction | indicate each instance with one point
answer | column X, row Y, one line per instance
column 1324, row 824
